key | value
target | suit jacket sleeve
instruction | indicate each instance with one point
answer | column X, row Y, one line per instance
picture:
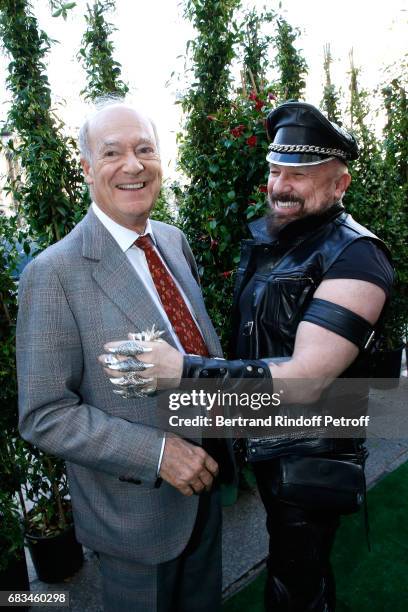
column 52, row 413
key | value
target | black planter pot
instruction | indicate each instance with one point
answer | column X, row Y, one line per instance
column 387, row 368
column 15, row 578
column 55, row 557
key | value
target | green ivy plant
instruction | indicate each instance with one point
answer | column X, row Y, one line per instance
column 96, row 54
column 224, row 144
column 162, row 210
column 290, row 62
column 61, row 8
column 395, row 95
column 49, row 198
column 49, row 188
column 377, row 196
column 11, row 473
column 11, row 535
column 254, row 46
column 331, row 97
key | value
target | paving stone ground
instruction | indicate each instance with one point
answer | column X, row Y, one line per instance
column 244, row 534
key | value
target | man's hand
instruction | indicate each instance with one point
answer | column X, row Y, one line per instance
column 187, row 467
column 165, row 363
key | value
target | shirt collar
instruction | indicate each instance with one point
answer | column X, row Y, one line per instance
column 124, row 237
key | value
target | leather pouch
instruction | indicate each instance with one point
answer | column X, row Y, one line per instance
column 323, row 484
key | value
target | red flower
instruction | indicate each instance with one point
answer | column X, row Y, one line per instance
column 211, row 118
column 251, row 141
column 271, row 96
column 226, row 274
column 259, row 104
column 237, row 131
column 213, row 245
column 263, row 188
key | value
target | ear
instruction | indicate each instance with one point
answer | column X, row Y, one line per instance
column 87, row 170
column 342, row 184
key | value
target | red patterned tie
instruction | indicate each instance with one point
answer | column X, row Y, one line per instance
column 172, row 301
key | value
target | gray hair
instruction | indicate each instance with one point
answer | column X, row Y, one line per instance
column 100, row 104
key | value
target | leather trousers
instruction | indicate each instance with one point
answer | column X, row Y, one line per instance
column 300, row 577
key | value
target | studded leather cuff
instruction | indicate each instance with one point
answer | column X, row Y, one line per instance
column 223, row 370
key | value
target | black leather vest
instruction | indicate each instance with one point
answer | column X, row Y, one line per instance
column 276, row 280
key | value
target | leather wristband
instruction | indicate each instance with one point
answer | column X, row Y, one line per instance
column 223, row 370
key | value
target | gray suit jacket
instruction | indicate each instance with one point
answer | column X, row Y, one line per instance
column 74, row 297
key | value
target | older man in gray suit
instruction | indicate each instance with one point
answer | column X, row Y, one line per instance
column 132, row 488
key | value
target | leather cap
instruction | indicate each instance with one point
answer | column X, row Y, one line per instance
column 301, row 135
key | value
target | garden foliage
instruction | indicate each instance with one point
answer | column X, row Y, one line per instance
column 96, row 54
column 378, row 194
column 223, row 146
column 49, row 198
column 222, row 150
column 331, row 97
column 48, row 189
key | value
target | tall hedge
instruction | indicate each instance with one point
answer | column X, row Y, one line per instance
column 49, row 188
column 377, row 196
column 224, row 143
column 96, row 54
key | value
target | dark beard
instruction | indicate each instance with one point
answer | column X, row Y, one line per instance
column 274, row 224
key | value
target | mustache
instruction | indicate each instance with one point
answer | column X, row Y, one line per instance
column 286, row 197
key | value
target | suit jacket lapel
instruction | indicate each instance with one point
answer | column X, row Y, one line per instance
column 117, row 278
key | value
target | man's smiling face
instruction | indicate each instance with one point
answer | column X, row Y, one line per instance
column 124, row 171
column 298, row 191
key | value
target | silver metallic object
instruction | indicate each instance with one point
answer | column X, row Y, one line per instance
column 130, row 348
column 131, row 380
column 150, row 335
column 134, row 392
column 282, row 148
column 130, row 385
column 132, row 364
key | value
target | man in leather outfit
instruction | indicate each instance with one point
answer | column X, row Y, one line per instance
column 311, row 287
